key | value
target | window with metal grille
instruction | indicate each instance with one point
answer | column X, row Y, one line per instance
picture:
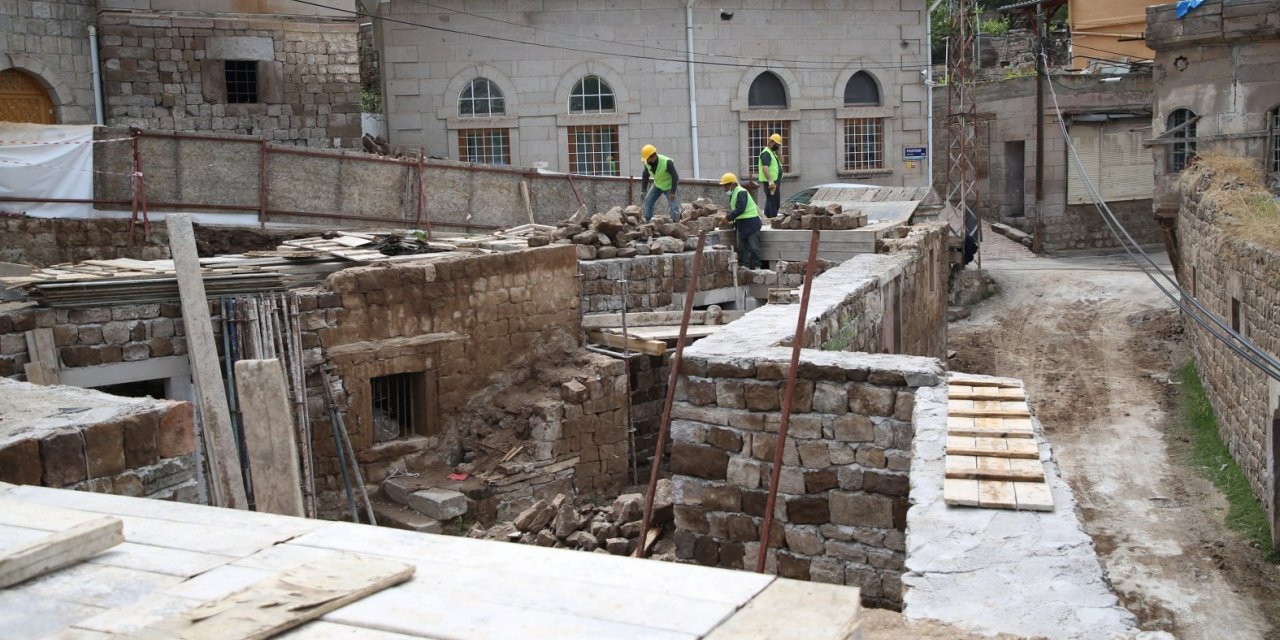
column 863, row 144
column 242, row 81
column 591, row 94
column 758, row 132
column 862, row 90
column 1273, row 119
column 481, row 98
column 593, row 150
column 398, row 406
column 767, row 92
column 487, row 146
column 1181, row 152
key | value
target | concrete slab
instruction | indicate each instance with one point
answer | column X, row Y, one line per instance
column 996, row 571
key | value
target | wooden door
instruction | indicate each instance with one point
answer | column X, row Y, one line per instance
column 24, row 99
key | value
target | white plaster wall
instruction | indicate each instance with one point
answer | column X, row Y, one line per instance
column 423, row 69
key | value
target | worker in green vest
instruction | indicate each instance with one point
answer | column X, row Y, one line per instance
column 665, row 180
column 746, row 221
column 769, row 169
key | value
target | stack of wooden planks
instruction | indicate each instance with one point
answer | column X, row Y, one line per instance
column 992, row 456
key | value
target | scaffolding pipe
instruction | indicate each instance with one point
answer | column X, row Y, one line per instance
column 664, row 426
column 797, row 343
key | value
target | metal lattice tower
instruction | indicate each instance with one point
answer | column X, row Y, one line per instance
column 962, row 114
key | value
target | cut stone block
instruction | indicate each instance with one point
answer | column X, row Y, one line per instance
column 402, row 517
column 441, row 504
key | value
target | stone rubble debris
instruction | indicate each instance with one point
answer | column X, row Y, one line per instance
column 807, row 216
column 622, row 232
column 613, row 528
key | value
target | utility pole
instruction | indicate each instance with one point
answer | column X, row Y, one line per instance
column 1037, row 243
column 962, row 114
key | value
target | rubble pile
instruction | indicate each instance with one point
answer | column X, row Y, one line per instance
column 830, row 217
column 623, row 233
column 612, row 528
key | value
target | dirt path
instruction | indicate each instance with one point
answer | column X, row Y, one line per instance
column 1098, row 344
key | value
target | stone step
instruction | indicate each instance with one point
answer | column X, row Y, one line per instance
column 434, row 502
column 391, row 514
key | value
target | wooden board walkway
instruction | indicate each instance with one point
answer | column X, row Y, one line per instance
column 178, row 557
column 993, row 455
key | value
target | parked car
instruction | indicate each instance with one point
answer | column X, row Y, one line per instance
column 803, row 196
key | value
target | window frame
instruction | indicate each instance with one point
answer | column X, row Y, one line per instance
column 758, row 132
column 752, row 98
column 495, row 95
column 597, row 162
column 869, row 161
column 243, row 81
column 874, row 85
column 486, row 140
column 603, row 90
column 1180, row 152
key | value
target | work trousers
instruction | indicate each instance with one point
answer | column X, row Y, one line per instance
column 651, row 200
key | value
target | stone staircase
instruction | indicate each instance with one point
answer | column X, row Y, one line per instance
column 410, row 503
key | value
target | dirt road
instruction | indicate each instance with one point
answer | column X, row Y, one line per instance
column 1098, row 346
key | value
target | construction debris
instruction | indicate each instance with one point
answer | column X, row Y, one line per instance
column 832, row 216
column 623, row 233
column 613, row 528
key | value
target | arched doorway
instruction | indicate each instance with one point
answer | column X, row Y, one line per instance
column 24, row 99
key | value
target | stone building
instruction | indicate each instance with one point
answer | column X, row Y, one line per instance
column 1107, row 121
column 581, row 86
column 282, row 70
column 1215, row 84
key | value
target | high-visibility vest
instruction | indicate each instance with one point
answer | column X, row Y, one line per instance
column 774, row 167
column 750, row 212
column 661, row 177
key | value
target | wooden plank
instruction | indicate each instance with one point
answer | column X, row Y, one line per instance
column 41, row 349
column 987, row 468
column 961, row 466
column 960, row 492
column 59, row 549
column 813, row 610
column 1033, row 496
column 285, row 601
column 993, row 428
column 657, row 318
column 994, row 447
column 226, row 487
column 122, row 372
column 986, row 413
column 996, row 494
column 650, row 347
column 269, row 438
column 982, row 381
column 986, row 393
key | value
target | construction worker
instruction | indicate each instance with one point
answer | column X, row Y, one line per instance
column 769, row 169
column 746, row 221
column 665, row 180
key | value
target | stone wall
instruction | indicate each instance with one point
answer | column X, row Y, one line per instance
column 89, row 441
column 165, row 70
column 1225, row 272
column 842, row 500
column 225, row 172
column 1218, row 62
column 654, row 282
column 1007, row 183
column 94, row 336
column 49, row 39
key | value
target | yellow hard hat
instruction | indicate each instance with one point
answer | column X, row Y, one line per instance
column 776, row 138
column 728, row 178
column 647, row 151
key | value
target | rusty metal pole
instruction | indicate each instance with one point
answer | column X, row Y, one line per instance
column 788, row 395
column 262, row 185
column 631, row 187
column 575, row 190
column 665, row 425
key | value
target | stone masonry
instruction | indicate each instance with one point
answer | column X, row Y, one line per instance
column 90, row 441
column 49, row 39
column 840, row 515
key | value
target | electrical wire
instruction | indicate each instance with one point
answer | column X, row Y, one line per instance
column 815, row 67
column 1246, row 349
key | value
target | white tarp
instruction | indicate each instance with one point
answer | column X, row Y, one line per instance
column 47, row 161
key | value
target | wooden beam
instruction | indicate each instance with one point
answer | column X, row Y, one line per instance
column 59, row 549
column 269, row 437
column 41, row 351
column 279, row 603
column 657, row 318
column 121, row 372
column 226, row 485
column 650, row 347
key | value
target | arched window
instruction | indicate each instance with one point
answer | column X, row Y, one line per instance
column 767, row 92
column 1273, row 128
column 862, row 90
column 1181, row 124
column 481, row 98
column 590, row 95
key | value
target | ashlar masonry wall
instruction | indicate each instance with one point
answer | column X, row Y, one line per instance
column 1239, row 281
column 840, row 516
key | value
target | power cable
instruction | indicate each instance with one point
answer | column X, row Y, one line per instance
column 1246, row 349
column 363, row 14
